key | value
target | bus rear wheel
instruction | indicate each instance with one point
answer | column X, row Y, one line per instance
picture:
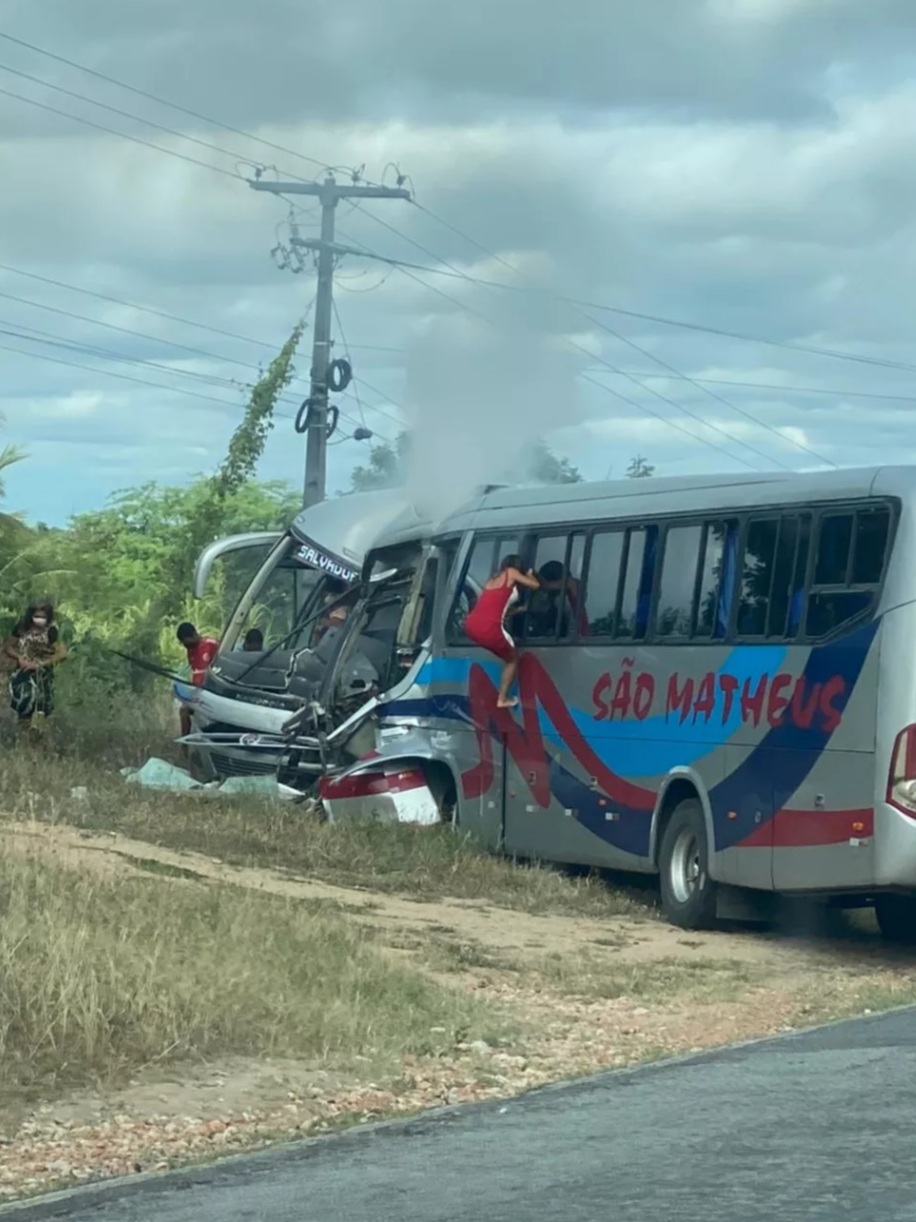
column 688, row 893
column 896, row 915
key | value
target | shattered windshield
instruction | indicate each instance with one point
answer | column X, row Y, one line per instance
column 290, row 609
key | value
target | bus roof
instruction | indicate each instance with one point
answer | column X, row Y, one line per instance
column 532, row 507
column 347, row 526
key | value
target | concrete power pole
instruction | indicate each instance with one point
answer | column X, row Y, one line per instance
column 329, row 193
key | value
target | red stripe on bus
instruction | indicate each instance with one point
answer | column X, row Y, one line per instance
column 369, row 784
column 799, row 829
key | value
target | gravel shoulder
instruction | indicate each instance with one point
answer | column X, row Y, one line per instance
column 573, row 995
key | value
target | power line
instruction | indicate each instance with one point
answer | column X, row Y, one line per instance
column 129, row 305
column 57, row 341
column 152, row 97
column 178, row 390
column 215, row 379
column 607, row 389
column 64, row 114
column 417, row 245
column 110, row 326
column 111, row 373
column 124, row 114
column 359, row 402
column 456, row 273
column 613, row 369
column 651, row 356
column 704, row 389
column 831, row 391
column 666, row 420
column 603, row 306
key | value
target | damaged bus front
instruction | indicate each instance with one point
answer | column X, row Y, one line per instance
column 298, row 599
column 366, row 740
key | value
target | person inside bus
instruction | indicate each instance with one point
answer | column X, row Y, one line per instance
column 333, row 613
column 556, row 605
column 485, row 624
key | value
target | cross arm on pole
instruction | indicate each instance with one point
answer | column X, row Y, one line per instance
column 328, row 190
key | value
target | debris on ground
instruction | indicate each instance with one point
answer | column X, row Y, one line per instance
column 160, row 774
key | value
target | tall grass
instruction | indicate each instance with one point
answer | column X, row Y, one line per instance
column 423, row 863
column 102, row 975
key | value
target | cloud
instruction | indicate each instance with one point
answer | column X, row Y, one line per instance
column 745, row 165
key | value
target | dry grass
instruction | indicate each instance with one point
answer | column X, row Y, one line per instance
column 595, row 976
column 102, row 976
column 421, row 863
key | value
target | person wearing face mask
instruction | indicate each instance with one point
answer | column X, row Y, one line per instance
column 34, row 648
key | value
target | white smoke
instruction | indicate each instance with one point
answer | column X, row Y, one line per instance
column 481, row 394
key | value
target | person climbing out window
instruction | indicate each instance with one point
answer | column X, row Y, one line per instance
column 34, row 648
column 486, row 622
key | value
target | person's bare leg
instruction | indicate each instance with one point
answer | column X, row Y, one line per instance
column 184, row 721
column 510, row 670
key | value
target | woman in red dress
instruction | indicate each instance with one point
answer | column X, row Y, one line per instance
column 486, row 622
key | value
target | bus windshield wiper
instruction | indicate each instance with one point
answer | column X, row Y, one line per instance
column 297, row 627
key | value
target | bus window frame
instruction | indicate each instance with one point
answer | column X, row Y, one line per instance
column 533, row 539
column 837, row 509
column 528, row 536
column 498, row 538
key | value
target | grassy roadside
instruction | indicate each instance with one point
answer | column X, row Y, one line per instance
column 415, row 862
column 104, row 975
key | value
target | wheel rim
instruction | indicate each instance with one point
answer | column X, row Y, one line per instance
column 687, row 873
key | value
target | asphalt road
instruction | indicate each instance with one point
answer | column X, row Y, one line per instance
column 811, row 1126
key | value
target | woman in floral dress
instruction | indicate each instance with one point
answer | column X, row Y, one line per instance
column 34, row 648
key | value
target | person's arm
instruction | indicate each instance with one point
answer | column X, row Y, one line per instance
column 60, row 654
column 11, row 649
column 528, row 580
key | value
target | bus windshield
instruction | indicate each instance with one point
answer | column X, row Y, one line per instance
column 281, row 610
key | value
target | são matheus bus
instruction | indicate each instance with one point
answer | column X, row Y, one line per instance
column 717, row 685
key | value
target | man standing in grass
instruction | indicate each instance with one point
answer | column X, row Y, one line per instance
column 201, row 651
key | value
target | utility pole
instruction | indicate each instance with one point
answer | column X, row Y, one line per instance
column 329, row 193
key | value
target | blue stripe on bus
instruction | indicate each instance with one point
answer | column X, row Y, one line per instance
column 642, row 748
column 760, row 785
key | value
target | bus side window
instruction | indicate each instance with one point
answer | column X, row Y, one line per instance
column 639, row 573
column 479, row 567
column 553, row 610
column 678, row 581
column 849, row 563
column 602, row 581
column 757, row 576
column 870, row 545
column 646, row 579
column 715, row 594
column 487, row 554
column 799, row 580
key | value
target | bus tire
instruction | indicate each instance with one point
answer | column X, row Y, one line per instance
column 688, row 893
column 896, row 916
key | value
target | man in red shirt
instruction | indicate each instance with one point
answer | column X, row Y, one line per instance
column 201, row 651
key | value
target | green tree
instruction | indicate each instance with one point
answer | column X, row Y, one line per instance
column 385, row 468
column 640, row 468
column 243, row 455
column 13, row 530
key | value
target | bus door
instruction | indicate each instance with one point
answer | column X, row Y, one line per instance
column 541, row 801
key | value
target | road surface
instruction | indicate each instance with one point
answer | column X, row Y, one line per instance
column 820, row 1125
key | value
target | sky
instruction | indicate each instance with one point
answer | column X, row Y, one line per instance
column 583, row 177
